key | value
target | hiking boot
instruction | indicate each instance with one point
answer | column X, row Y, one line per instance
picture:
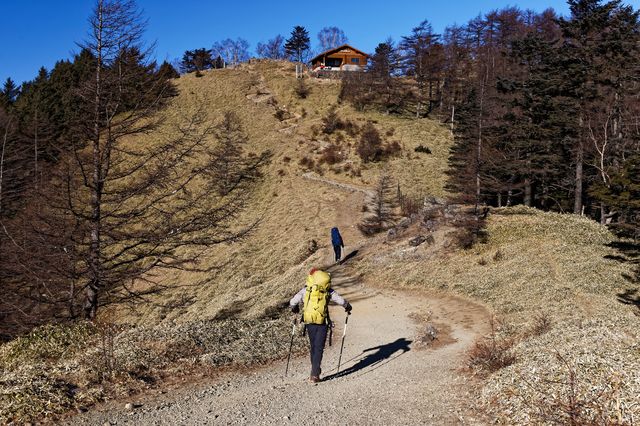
column 314, row 379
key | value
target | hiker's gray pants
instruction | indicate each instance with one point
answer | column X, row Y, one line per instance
column 317, row 337
column 338, row 252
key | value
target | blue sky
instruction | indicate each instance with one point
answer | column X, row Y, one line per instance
column 36, row 33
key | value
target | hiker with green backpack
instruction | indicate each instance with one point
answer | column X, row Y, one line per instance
column 315, row 297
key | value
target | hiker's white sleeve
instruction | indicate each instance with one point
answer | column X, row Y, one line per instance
column 336, row 298
column 297, row 299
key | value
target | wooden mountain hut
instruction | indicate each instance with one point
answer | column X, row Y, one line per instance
column 341, row 58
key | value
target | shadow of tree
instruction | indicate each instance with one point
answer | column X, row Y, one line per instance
column 382, row 355
column 629, row 253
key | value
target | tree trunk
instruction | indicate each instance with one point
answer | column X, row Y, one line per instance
column 453, row 115
column 92, row 290
column 577, row 203
column 527, row 192
column 479, row 143
column 4, row 146
column 35, row 150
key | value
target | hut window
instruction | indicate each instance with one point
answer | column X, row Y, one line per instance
column 355, row 60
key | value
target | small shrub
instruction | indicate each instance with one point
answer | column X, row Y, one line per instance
column 301, row 89
column 390, row 132
column 541, row 324
column 392, row 149
column 351, row 128
column 307, row 163
column 370, row 145
column 332, row 155
column 331, row 122
column 410, row 206
column 482, row 261
column 286, row 160
column 498, row 256
column 281, row 114
column 423, row 149
column 492, row 353
column 281, row 172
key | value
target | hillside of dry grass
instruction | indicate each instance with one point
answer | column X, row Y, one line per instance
column 554, row 283
column 292, row 211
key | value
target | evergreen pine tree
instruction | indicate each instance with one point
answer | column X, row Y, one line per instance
column 298, row 44
column 167, row 71
column 197, row 60
column 9, row 93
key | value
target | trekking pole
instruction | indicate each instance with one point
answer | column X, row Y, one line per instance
column 344, row 333
column 293, row 332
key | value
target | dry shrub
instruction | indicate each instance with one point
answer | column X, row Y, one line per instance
column 392, row 148
column 281, row 114
column 332, row 155
column 491, row 353
column 574, row 402
column 541, row 324
column 301, row 89
column 370, row 145
column 482, row 261
column 307, row 163
column 352, row 129
column 281, row 172
column 107, row 364
column 286, row 160
column 498, row 256
column 410, row 206
column 423, row 149
column 331, row 122
column 390, row 132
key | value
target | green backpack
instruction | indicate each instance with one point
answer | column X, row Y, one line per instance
column 316, row 302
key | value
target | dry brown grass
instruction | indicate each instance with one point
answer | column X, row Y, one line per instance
column 303, row 210
column 555, row 283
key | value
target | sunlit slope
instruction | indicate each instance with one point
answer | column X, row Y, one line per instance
column 292, row 211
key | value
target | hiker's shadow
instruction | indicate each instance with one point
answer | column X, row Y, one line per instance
column 382, row 355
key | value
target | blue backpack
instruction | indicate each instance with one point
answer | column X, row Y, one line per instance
column 336, row 239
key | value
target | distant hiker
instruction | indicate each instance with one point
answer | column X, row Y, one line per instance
column 315, row 297
column 336, row 240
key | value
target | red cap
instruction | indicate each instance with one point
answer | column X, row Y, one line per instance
column 312, row 271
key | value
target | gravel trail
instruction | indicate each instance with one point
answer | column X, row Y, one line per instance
column 390, row 373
